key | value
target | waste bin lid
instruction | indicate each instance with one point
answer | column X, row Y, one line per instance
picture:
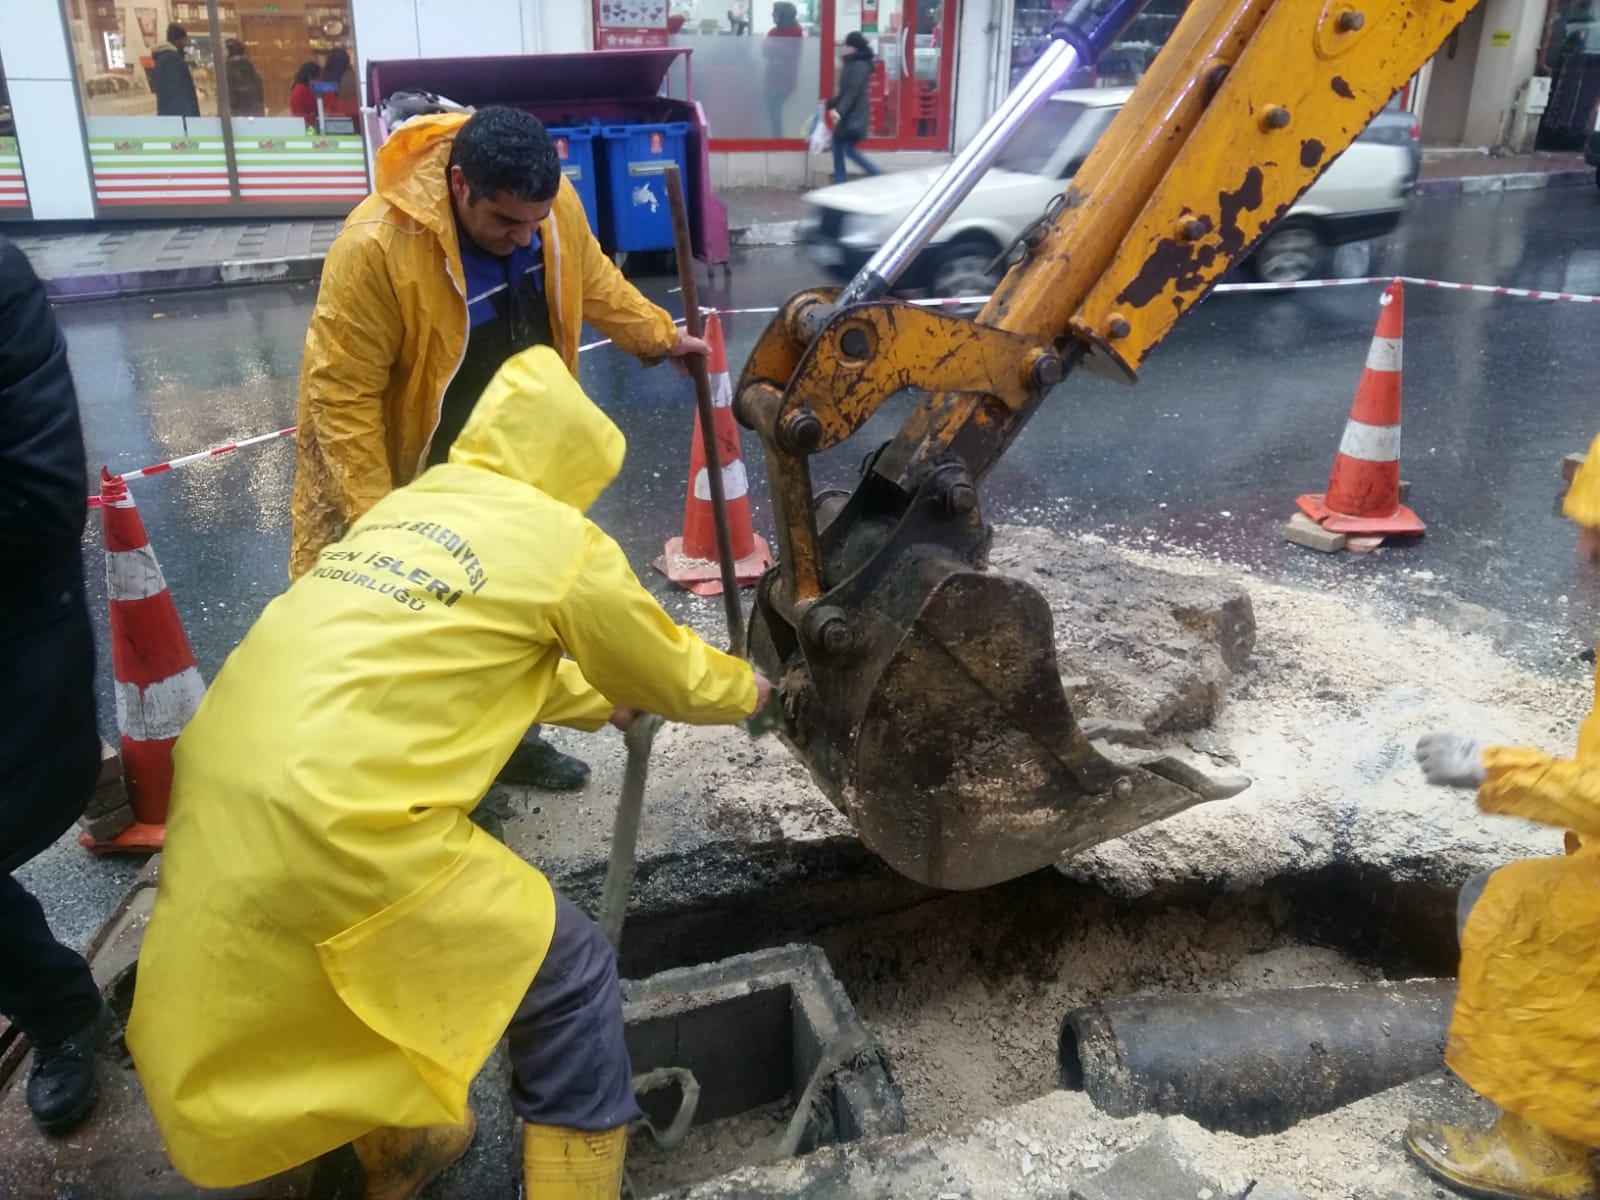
column 529, row 78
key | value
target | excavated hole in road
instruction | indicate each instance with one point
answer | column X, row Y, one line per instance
column 966, row 991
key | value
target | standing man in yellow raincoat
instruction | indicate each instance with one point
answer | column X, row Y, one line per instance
column 473, row 248
column 1526, row 1028
column 335, row 947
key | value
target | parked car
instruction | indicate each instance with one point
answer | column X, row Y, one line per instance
column 1361, row 195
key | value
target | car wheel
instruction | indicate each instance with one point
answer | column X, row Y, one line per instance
column 964, row 269
column 1288, row 254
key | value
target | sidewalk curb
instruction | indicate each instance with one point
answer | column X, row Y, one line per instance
column 111, row 285
column 1474, row 185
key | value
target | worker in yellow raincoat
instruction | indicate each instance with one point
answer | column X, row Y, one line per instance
column 1526, row 1028
column 474, row 247
column 335, row 947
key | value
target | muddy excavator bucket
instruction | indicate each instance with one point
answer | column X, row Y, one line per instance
column 926, row 697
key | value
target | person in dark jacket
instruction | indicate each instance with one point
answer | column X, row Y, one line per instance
column 174, row 86
column 246, row 96
column 50, row 748
column 850, row 108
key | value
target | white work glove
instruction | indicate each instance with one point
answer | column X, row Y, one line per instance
column 1450, row 760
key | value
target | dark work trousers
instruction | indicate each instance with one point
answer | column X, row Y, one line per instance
column 568, row 1061
column 45, row 988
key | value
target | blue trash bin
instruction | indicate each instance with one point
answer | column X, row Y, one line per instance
column 636, row 193
column 575, row 145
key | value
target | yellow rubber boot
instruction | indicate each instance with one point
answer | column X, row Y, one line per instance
column 567, row 1164
column 398, row 1163
column 1513, row 1159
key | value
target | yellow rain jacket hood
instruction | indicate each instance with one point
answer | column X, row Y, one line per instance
column 335, row 945
column 390, row 329
column 1524, row 1029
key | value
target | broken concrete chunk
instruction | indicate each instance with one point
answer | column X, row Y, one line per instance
column 1303, row 531
column 1158, row 1166
column 1155, row 647
column 1570, row 465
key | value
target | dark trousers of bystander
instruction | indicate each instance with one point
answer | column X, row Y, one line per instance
column 45, row 988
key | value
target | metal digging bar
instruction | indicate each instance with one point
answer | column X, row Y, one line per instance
column 699, row 371
column 641, row 734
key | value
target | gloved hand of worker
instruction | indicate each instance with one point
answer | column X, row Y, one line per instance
column 1451, row 760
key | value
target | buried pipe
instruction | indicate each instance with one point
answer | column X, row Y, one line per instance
column 1258, row 1062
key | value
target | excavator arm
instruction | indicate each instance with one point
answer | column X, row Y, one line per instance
column 921, row 690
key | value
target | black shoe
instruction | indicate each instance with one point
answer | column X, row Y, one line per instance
column 63, row 1088
column 541, row 765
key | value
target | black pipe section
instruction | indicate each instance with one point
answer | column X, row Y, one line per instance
column 1257, row 1062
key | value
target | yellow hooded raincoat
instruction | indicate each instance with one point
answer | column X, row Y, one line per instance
column 390, row 328
column 334, row 945
column 1524, row 1032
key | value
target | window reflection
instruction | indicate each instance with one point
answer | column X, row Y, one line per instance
column 757, row 66
column 158, row 78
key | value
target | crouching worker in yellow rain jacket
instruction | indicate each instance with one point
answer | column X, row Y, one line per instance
column 1526, row 1028
column 335, row 947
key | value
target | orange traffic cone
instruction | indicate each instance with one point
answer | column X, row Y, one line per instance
column 1363, row 495
column 157, row 682
column 691, row 560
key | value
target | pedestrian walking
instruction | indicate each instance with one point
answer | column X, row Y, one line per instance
column 851, row 107
column 782, row 48
column 739, row 20
column 171, row 79
column 473, row 248
column 50, row 750
column 1522, row 1033
column 246, row 97
column 335, row 947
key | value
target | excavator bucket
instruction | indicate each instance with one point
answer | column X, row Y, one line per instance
column 926, row 698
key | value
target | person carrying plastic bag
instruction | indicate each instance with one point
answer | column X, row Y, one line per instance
column 1523, row 1032
column 335, row 947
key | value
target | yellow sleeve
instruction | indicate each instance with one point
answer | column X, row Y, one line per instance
column 1563, row 792
column 351, row 348
column 636, row 655
column 613, row 305
column 573, row 701
column 1583, row 497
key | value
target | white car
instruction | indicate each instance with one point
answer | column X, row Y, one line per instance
column 1361, row 195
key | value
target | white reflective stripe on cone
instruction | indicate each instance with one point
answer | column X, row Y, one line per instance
column 735, row 484
column 133, row 574
column 160, row 710
column 1384, row 354
column 1374, row 443
column 722, row 390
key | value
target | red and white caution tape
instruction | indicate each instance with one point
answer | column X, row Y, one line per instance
column 968, row 301
column 185, row 460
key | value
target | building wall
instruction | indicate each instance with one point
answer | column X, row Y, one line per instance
column 44, row 104
column 1502, row 65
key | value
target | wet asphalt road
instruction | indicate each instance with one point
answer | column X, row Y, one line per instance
column 1236, row 415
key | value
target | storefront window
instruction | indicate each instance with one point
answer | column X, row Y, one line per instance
column 1121, row 66
column 160, row 80
column 1571, row 57
column 757, row 64
column 13, row 193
